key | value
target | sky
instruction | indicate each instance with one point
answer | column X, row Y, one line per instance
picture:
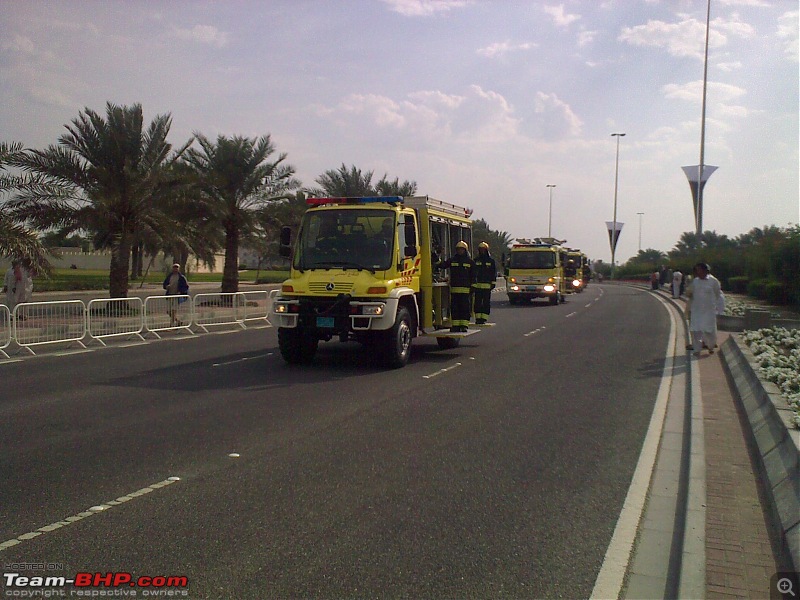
column 483, row 103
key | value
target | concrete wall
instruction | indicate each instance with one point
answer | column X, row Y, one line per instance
column 101, row 260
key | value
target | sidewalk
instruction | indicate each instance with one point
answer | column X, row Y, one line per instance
column 741, row 547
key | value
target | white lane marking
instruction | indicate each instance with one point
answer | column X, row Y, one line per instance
column 8, row 361
column 132, row 344
column 440, row 371
column 620, row 550
column 588, row 305
column 231, row 362
column 572, row 314
column 530, row 333
column 69, row 352
column 87, row 513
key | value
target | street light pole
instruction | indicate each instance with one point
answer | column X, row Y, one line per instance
column 616, row 187
column 640, row 230
column 550, row 220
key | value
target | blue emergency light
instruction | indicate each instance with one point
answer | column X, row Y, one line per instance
column 354, row 200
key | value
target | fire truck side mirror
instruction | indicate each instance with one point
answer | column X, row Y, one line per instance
column 285, row 249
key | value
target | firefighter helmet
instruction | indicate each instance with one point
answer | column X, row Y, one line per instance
column 483, row 245
column 462, row 244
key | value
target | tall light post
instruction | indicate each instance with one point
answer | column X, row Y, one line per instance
column 640, row 230
column 550, row 220
column 616, row 187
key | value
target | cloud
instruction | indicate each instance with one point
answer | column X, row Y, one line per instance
column 557, row 12
column 424, row 8
column 428, row 117
column 501, row 48
column 203, row 34
column 18, row 43
column 757, row 3
column 685, row 38
column 550, row 103
column 693, row 91
column 586, row 37
column 730, row 66
column 787, row 31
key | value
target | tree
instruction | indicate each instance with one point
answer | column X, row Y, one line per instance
column 108, row 176
column 344, row 182
column 16, row 240
column 498, row 241
column 236, row 179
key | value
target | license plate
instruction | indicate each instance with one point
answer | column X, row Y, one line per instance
column 530, row 288
column 325, row 322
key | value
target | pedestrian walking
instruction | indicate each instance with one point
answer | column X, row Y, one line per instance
column 677, row 283
column 462, row 275
column 175, row 285
column 706, row 302
column 18, row 285
column 485, row 278
column 654, row 279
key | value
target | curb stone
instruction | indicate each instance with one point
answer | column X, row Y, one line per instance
column 777, row 441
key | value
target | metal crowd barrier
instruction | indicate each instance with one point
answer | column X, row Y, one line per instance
column 256, row 305
column 167, row 313
column 218, row 309
column 31, row 324
column 38, row 323
column 111, row 317
column 5, row 329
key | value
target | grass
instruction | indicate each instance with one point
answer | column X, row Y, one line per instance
column 97, row 279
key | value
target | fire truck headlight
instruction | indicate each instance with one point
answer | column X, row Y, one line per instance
column 372, row 310
column 549, row 288
column 281, row 308
column 514, row 288
column 576, row 283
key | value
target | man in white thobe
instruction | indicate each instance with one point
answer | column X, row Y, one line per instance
column 677, row 278
column 18, row 285
column 706, row 302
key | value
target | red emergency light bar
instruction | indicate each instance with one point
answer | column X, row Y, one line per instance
column 354, row 200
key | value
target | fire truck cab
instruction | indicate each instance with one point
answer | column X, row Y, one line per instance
column 365, row 269
column 536, row 270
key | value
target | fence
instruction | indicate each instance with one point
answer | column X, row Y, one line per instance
column 38, row 323
column 115, row 317
column 5, row 329
column 167, row 313
column 33, row 324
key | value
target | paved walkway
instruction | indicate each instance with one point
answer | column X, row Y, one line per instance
column 740, row 554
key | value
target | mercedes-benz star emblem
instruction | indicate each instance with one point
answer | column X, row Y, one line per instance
column 330, row 286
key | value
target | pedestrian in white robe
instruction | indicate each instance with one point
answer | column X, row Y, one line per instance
column 706, row 302
column 18, row 285
column 677, row 279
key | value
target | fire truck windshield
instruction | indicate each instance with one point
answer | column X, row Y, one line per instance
column 526, row 259
column 347, row 239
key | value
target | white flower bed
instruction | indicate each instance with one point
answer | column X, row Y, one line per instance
column 777, row 351
column 736, row 308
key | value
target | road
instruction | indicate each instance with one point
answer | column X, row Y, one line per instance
column 494, row 470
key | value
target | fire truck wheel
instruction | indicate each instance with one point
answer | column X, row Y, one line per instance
column 398, row 343
column 296, row 347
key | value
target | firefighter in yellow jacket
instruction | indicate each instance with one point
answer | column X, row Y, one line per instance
column 485, row 277
column 462, row 275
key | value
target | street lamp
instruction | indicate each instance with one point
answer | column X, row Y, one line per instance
column 640, row 230
column 550, row 221
column 614, row 234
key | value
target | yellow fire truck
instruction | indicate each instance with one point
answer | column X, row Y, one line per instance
column 364, row 269
column 536, row 270
column 574, row 269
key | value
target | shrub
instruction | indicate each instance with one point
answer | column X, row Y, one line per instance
column 775, row 292
column 758, row 289
column 738, row 285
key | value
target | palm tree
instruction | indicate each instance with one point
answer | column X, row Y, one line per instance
column 108, row 176
column 344, row 182
column 16, row 240
column 236, row 179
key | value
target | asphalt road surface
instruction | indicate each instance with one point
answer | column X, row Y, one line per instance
column 494, row 470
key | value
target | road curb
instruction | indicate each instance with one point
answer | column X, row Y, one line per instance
column 777, row 442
